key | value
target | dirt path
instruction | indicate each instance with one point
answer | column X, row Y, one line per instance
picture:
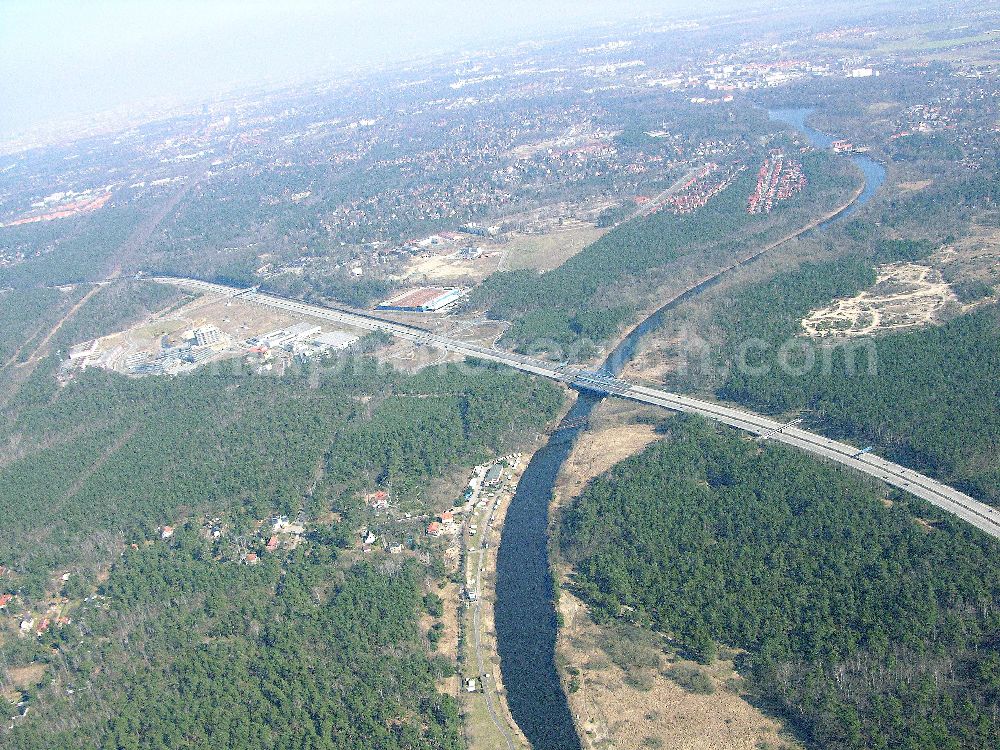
column 501, row 732
column 99, row 463
column 140, row 236
column 39, row 353
column 21, row 371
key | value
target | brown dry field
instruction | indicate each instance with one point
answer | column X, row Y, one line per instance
column 21, row 678
column 596, row 451
column 652, row 363
column 613, row 709
column 543, row 252
column 514, row 251
column 448, row 645
column 449, row 271
column 26, row 677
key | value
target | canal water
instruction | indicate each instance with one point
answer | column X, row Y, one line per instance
column 873, row 171
column 524, row 612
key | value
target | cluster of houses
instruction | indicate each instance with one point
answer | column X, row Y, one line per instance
column 778, row 179
column 708, row 182
column 284, row 534
column 279, row 531
column 39, row 624
column 484, row 477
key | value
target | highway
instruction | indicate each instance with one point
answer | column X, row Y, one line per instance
column 947, row 498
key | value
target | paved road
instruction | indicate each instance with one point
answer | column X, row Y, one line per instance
column 947, row 498
column 656, row 203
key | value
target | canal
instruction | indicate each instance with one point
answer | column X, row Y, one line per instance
column 524, row 612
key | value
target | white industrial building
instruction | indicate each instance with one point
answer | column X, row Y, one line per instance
column 338, row 340
column 288, row 336
column 206, row 335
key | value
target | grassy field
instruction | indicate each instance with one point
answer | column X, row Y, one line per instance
column 923, row 44
column 547, row 251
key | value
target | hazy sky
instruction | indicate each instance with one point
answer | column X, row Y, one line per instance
column 60, row 59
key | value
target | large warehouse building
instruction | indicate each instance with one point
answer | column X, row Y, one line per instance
column 424, row 299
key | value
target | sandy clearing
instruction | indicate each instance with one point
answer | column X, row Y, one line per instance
column 27, row 676
column 449, row 268
column 906, row 295
column 910, row 187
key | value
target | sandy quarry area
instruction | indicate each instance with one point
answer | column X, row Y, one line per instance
column 915, row 185
column 906, row 295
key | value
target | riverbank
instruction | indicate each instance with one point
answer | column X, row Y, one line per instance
column 525, row 615
column 489, row 725
column 488, row 720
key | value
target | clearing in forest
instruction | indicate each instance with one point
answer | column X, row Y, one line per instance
column 906, row 295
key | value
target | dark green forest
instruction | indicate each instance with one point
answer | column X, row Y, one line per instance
column 184, row 651
column 75, row 250
column 866, row 628
column 109, row 458
column 183, row 646
column 28, row 315
column 930, row 398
